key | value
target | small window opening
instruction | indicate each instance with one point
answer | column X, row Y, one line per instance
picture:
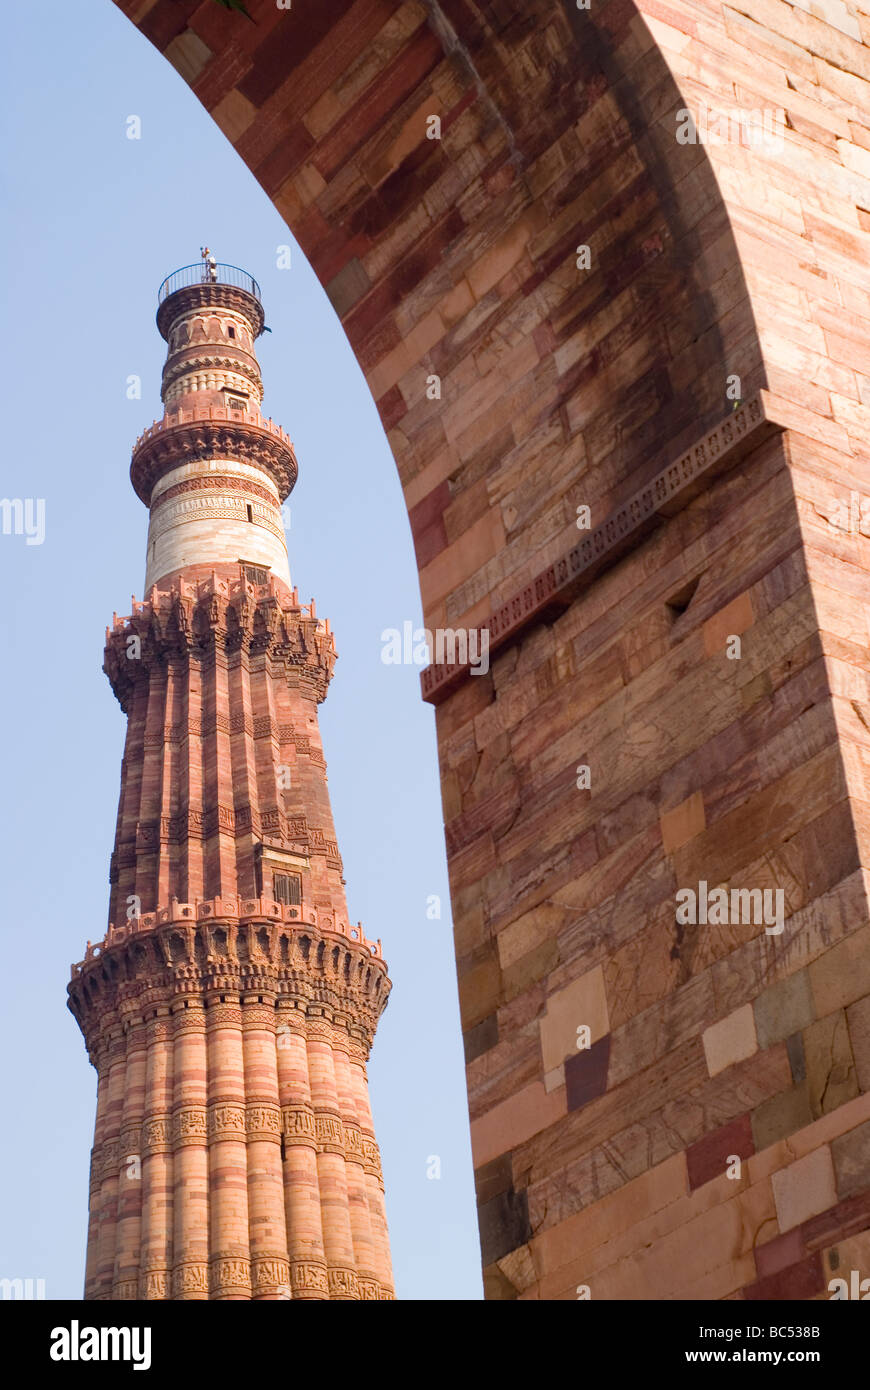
column 679, row 602
column 231, row 332
column 287, row 888
column 250, row 511
column 255, row 574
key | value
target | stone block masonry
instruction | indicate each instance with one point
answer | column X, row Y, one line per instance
column 708, row 666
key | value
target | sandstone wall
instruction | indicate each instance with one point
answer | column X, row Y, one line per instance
column 564, row 387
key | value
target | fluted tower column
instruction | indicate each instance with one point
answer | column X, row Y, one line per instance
column 231, row 1006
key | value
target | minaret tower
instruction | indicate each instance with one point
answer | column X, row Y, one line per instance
column 230, row 1009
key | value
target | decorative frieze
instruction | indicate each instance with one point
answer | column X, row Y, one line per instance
column 298, row 1126
column 229, row 1274
column 190, row 1278
column 189, row 1126
column 343, row 1284
column 155, row 1284
column 270, row 1274
column 309, row 1278
column 225, row 1120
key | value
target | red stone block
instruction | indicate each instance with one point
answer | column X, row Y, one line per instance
column 430, row 509
column 166, row 20
column 847, row 1218
column 708, row 1158
column 586, row 1073
column 779, row 1254
column 798, row 1281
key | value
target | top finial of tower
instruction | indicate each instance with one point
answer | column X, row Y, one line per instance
column 209, row 264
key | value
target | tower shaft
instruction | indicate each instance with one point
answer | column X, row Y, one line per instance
column 230, row 1008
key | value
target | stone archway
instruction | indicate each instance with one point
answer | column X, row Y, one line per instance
column 698, row 383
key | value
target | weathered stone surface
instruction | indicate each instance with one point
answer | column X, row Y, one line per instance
column 785, row 1008
column 851, row 1154
column 804, row 1189
column 730, row 1040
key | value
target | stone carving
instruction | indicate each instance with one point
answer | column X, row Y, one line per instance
column 190, row 1277
column 226, row 1120
column 330, row 1134
column 154, row 1284
column 307, row 1277
column 343, row 1283
column 229, row 1273
column 156, row 1135
column 263, row 1122
column 299, row 1126
column 189, row 1126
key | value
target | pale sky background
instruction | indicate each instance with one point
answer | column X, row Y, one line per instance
column 93, row 222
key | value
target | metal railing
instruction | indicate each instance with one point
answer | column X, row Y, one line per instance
column 201, row 274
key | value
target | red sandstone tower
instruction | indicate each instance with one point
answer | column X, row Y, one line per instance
column 230, row 1009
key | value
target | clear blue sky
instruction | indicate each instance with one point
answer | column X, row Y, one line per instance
column 93, row 223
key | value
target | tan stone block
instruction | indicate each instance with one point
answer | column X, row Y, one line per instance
column 730, row 621
column 582, row 1003
column 804, row 1189
column 514, row 1120
column 805, row 1141
column 519, row 1268
column 234, row 114
column 780, row 1116
column 853, row 1253
column 858, row 1020
column 851, row 1155
column 479, row 991
column 530, row 968
column 455, row 305
column 554, row 1079
column 494, row 264
column 785, row 1008
column 188, row 54
column 854, row 158
column 620, row 1211
column 730, row 1040
column 407, row 355
column 842, row 974
column 409, row 137
column 529, row 931
column 469, row 553
column 831, row 1074
column 682, row 822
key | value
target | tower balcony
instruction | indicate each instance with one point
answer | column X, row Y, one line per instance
column 202, row 286
column 212, row 431
column 201, row 274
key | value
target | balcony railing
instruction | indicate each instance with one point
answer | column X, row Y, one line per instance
column 201, row 274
